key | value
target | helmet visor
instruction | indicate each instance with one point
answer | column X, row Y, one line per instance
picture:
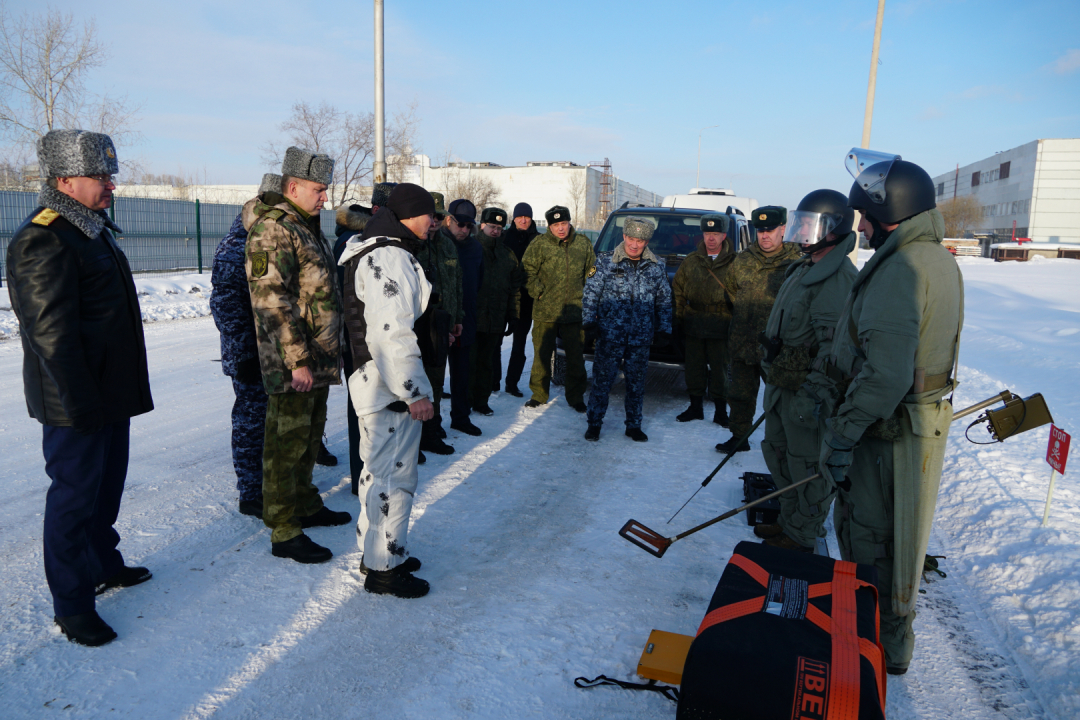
column 870, row 168
column 809, row 228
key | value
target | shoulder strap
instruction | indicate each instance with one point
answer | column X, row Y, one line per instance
column 668, row 691
column 709, row 269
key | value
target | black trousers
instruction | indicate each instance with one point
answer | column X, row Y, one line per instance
column 88, row 474
column 460, row 368
column 516, row 366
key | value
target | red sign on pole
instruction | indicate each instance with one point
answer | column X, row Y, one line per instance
column 1057, row 451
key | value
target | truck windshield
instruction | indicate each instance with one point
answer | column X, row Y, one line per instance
column 676, row 234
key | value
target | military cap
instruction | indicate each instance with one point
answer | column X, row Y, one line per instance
column 381, row 193
column 76, row 153
column 307, row 165
column 768, row 217
column 639, row 228
column 440, row 203
column 714, row 222
column 271, row 182
column 557, row 214
column 495, row 216
column 464, row 211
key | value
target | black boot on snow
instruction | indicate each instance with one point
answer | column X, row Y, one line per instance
column 719, row 415
column 398, row 582
column 694, row 412
column 324, row 457
column 636, row 435
column 593, row 433
column 729, row 445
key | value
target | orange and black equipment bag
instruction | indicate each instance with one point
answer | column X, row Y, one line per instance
column 788, row 636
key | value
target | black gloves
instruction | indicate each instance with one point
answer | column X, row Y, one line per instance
column 249, row 372
column 835, row 457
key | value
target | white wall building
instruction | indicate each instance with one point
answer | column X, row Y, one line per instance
column 1037, row 185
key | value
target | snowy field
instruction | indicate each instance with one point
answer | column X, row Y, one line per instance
column 531, row 586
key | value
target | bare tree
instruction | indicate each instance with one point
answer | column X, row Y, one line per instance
column 579, row 199
column 960, row 214
column 480, row 191
column 400, row 142
column 45, row 61
column 349, row 140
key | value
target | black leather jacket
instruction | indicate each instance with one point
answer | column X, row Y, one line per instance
column 84, row 357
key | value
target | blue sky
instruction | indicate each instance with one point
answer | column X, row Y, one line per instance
column 634, row 82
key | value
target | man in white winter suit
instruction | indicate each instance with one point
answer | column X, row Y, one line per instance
column 386, row 298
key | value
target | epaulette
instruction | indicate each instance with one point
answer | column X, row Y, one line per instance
column 45, row 217
column 275, row 214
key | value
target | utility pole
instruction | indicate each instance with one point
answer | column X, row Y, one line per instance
column 697, row 180
column 379, row 168
column 868, row 117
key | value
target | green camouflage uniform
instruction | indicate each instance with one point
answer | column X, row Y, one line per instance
column 298, row 323
column 754, row 278
column 703, row 312
column 798, row 397
column 439, row 258
column 498, row 300
column 557, row 271
column 897, row 338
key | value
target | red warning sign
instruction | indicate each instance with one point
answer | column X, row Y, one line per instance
column 1057, row 451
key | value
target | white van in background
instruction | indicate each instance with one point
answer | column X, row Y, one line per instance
column 717, row 200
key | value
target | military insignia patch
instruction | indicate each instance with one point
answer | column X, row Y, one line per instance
column 109, row 153
column 499, row 218
column 711, row 223
column 45, row 217
column 762, row 216
column 260, row 263
column 592, row 270
column 557, row 215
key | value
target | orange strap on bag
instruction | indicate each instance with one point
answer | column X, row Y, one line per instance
column 847, row 646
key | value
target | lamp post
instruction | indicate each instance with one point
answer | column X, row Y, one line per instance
column 379, row 166
column 697, row 181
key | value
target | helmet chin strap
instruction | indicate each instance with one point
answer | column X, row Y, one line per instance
column 811, row 249
column 880, row 234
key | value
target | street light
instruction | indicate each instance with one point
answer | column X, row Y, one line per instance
column 697, row 182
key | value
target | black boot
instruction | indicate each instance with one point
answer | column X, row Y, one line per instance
column 694, row 412
column 324, row 457
column 302, row 549
column 730, row 444
column 513, row 390
column 86, row 629
column 719, row 415
column 128, row 576
column 420, row 457
column 398, row 582
column 325, row 517
column 636, row 435
column 593, row 433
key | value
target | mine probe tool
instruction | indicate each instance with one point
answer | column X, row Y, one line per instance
column 1019, row 415
column 723, row 462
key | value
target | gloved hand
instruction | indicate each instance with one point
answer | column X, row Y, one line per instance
column 511, row 327
column 249, row 372
column 590, row 332
column 87, row 423
column 836, row 456
column 661, row 339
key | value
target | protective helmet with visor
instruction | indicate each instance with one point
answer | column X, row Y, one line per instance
column 820, row 213
column 887, row 189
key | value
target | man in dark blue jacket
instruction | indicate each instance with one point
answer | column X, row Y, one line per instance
column 460, row 221
column 84, row 371
column 626, row 307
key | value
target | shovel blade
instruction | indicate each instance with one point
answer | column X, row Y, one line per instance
column 648, row 540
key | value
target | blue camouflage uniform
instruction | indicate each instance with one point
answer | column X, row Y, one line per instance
column 628, row 302
column 230, row 304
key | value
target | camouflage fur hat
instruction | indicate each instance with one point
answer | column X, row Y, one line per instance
column 639, row 228
column 495, row 216
column 271, row 182
column 714, row 222
column 76, row 153
column 306, row 165
column 440, row 204
column 381, row 193
column 768, row 217
column 557, row 214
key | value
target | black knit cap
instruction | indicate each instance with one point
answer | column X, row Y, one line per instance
column 409, row 201
column 523, row 209
column 557, row 214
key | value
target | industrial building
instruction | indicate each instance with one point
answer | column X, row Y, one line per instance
column 1034, row 188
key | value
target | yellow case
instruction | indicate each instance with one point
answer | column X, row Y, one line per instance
column 664, row 656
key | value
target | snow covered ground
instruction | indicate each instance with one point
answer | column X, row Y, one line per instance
column 531, row 586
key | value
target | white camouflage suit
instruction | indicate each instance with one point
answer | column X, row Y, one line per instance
column 392, row 286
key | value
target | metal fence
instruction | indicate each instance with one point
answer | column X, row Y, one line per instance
column 160, row 238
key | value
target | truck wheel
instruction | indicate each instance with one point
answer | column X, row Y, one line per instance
column 558, row 369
